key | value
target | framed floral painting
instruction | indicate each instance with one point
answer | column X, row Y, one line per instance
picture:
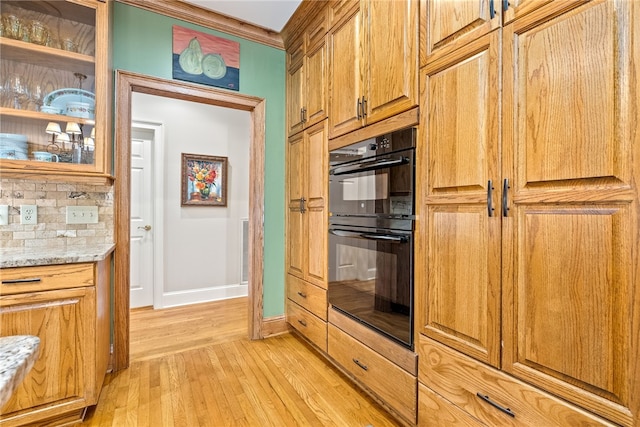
column 204, row 180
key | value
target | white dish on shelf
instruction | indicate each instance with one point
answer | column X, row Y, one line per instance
column 49, row 109
column 12, row 155
column 59, row 99
column 13, row 146
column 13, row 137
column 83, row 110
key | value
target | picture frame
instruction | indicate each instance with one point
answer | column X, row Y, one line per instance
column 203, row 58
column 204, row 180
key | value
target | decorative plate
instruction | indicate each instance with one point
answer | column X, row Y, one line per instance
column 213, row 66
column 59, row 98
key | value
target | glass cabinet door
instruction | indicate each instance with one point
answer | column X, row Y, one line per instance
column 53, row 87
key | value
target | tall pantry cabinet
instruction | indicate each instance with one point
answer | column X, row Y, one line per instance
column 306, row 228
column 527, row 306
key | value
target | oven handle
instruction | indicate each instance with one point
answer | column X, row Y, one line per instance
column 369, row 236
column 369, row 165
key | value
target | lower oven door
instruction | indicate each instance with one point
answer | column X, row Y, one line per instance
column 371, row 278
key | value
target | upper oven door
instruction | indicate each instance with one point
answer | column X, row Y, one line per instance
column 374, row 177
column 376, row 185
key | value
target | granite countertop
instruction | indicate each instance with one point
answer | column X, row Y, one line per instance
column 18, row 353
column 29, row 257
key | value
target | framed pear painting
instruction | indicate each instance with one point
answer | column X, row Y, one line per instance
column 203, row 58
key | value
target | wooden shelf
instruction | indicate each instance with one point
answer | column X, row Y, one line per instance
column 44, row 56
column 44, row 117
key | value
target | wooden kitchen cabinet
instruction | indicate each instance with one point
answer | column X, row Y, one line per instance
column 307, row 76
column 526, row 266
column 307, row 169
column 462, row 301
column 67, row 307
column 449, row 25
column 46, row 68
column 306, row 230
column 373, row 62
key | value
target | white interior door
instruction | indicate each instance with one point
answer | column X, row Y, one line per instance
column 142, row 227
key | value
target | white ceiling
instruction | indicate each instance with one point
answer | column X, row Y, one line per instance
column 271, row 14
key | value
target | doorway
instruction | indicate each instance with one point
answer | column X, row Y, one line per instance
column 126, row 84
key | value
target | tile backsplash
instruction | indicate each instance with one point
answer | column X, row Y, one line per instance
column 52, row 199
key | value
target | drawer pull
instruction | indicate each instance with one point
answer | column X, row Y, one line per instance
column 302, row 322
column 18, row 281
column 302, row 294
column 357, row 362
column 495, row 405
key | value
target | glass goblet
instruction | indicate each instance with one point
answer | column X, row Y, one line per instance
column 18, row 90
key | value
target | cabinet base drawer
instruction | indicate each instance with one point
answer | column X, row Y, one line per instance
column 435, row 411
column 392, row 384
column 312, row 327
column 310, row 297
column 491, row 396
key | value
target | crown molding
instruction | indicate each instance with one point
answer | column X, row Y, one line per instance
column 207, row 18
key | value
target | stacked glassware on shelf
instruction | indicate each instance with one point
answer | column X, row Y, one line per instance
column 33, row 31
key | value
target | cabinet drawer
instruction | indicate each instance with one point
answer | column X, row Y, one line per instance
column 313, row 328
column 435, row 411
column 387, row 380
column 44, row 278
column 308, row 296
column 464, row 382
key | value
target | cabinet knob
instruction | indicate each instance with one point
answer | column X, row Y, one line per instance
column 145, row 228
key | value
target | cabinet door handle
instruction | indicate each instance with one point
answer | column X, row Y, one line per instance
column 302, row 294
column 302, row 322
column 358, row 108
column 360, row 364
column 364, row 107
column 495, row 405
column 490, row 208
column 505, row 191
column 304, row 115
column 492, row 9
column 18, row 281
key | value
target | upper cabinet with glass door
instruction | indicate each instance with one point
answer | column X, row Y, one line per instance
column 54, row 89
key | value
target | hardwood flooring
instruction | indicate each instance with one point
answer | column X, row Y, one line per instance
column 195, row 366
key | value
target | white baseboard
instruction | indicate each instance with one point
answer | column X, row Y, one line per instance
column 194, row 296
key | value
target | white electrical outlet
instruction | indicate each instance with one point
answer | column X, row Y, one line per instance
column 82, row 214
column 28, row 214
column 4, row 214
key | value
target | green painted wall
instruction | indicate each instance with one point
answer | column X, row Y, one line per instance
column 142, row 43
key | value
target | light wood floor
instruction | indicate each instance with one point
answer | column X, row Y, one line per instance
column 195, row 366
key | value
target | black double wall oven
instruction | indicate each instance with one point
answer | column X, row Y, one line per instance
column 371, row 204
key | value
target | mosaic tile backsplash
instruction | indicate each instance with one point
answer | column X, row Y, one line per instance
column 52, row 199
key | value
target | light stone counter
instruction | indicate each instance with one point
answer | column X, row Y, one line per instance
column 29, row 257
column 18, row 353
